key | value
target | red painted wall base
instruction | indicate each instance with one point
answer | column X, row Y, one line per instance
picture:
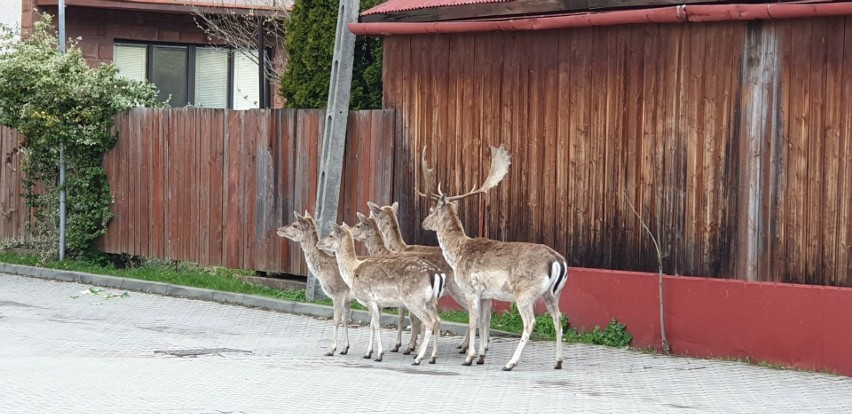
column 808, row 327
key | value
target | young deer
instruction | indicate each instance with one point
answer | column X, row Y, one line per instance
column 324, row 266
column 367, row 232
column 389, row 281
column 509, row 271
column 388, row 225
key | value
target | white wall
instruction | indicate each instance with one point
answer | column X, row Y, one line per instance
column 10, row 12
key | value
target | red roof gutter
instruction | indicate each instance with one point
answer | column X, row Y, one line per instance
column 674, row 14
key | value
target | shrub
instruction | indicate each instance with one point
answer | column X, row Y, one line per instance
column 54, row 101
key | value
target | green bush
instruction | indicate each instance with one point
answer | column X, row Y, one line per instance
column 310, row 46
column 56, row 100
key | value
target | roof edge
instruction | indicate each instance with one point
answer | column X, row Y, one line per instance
column 673, row 14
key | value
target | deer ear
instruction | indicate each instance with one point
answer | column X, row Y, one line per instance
column 395, row 206
column 298, row 217
column 361, row 217
column 374, row 208
column 307, row 216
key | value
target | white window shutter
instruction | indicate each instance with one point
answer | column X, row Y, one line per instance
column 246, row 80
column 130, row 60
column 211, row 77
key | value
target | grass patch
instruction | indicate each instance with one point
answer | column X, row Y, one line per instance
column 614, row 335
column 228, row 280
column 166, row 271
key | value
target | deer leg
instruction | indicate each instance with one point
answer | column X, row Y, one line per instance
column 552, row 303
column 485, row 315
column 526, row 310
column 416, row 325
column 436, row 331
column 399, row 321
column 473, row 321
column 428, row 319
column 484, row 328
column 375, row 323
column 347, row 310
column 338, row 311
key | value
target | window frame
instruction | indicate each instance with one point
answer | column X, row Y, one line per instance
column 263, row 100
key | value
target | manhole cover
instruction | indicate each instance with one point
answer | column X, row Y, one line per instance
column 192, row 353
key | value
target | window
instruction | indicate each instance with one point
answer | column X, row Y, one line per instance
column 202, row 76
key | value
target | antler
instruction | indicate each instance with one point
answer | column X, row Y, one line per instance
column 500, row 161
column 428, row 175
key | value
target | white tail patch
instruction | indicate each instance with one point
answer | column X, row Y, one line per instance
column 558, row 276
column 438, row 282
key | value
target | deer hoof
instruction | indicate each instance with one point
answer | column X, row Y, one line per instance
column 396, row 348
column 432, row 360
column 368, row 355
column 344, row 351
column 416, row 362
column 459, row 347
column 463, row 351
column 330, row 353
column 407, row 352
column 508, row 367
column 558, row 365
column 481, row 360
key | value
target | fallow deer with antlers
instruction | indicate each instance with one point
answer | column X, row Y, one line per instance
column 304, row 231
column 510, row 271
column 393, row 281
column 388, row 225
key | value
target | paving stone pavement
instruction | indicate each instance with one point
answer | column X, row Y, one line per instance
column 63, row 351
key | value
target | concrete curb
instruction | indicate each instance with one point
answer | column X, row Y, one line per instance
column 252, row 301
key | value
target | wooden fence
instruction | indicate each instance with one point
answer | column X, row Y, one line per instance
column 733, row 140
column 212, row 186
column 14, row 214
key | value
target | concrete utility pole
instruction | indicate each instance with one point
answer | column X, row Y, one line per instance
column 61, row 18
column 334, row 132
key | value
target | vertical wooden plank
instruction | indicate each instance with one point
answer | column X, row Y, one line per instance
column 518, row 222
column 216, row 186
column 564, row 201
column 534, row 136
column 844, row 188
column 170, row 162
column 125, row 207
column 156, row 185
column 145, row 193
column 797, row 162
column 490, row 46
column 508, row 97
column 233, row 214
column 831, row 147
column 814, row 206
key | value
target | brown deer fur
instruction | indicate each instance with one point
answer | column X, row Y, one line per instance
column 324, row 267
column 389, row 281
column 388, row 224
column 367, row 232
column 509, row 271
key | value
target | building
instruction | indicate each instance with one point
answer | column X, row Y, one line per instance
column 159, row 40
column 727, row 126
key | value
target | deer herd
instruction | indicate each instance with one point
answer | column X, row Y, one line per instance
column 472, row 271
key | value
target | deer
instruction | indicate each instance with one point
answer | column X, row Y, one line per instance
column 518, row 272
column 387, row 224
column 367, row 232
column 304, row 231
column 389, row 281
